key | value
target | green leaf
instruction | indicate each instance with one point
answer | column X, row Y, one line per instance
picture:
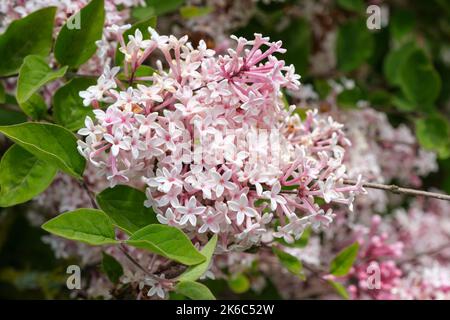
column 291, row 263
column 401, row 24
column 354, row 45
column 111, row 267
column 161, row 7
column 195, row 272
column 340, row 289
column 322, row 88
column 143, row 27
column 35, row 107
column 87, row 225
column 298, row 38
column 168, row 242
column 433, row 133
column 10, row 117
column 349, row 98
column 352, row 5
column 189, row 12
column 418, row 79
column 50, row 143
column 194, row 290
column 75, row 44
column 33, row 74
column 342, row 263
column 22, row 176
column 239, row 283
column 2, row 94
column 395, row 59
column 68, row 108
column 125, row 206
column 29, row 35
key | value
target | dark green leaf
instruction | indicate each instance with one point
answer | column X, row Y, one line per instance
column 22, row 176
column 418, row 79
column 401, row 24
column 29, row 35
column 125, row 206
column 10, row 117
column 349, row 98
column 50, row 143
column 111, row 267
column 33, row 74
column 2, row 94
column 394, row 61
column 68, row 109
column 352, row 5
column 35, row 107
column 76, row 44
column 161, row 7
column 354, row 45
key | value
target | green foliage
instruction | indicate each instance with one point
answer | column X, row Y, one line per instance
column 22, row 176
column 352, row 5
column 395, row 59
column 125, row 206
column 349, row 98
column 10, row 117
column 239, row 283
column 35, row 107
column 344, row 260
column 74, row 46
column 354, row 45
column 291, row 263
column 22, row 39
column 87, row 225
column 433, row 132
column 195, row 272
column 162, row 7
column 68, row 109
column 168, row 242
column 401, row 24
column 189, row 12
column 50, row 143
column 111, row 267
column 298, row 39
column 194, row 290
column 2, row 94
column 33, row 74
column 418, row 79
column 340, row 289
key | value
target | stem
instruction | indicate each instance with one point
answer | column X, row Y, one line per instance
column 400, row 190
column 392, row 188
column 89, row 193
column 161, row 280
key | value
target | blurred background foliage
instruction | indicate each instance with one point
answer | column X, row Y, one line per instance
column 403, row 69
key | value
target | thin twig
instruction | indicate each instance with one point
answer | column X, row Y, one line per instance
column 135, row 262
column 89, row 193
column 400, row 190
column 391, row 188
